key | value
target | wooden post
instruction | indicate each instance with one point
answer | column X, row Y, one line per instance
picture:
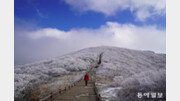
column 59, row 91
column 51, row 95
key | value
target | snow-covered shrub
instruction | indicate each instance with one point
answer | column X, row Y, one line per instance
column 26, row 76
column 131, row 70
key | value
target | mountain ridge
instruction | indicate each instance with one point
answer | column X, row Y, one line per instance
column 119, row 64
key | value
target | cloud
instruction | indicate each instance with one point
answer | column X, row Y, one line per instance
column 142, row 9
column 40, row 14
column 50, row 42
column 47, row 32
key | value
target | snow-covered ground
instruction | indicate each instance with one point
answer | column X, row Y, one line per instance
column 122, row 72
column 132, row 72
column 40, row 72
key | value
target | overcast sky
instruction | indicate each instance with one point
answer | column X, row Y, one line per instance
column 51, row 28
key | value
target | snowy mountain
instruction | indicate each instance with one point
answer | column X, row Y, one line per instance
column 120, row 74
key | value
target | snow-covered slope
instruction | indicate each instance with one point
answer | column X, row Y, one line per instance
column 124, row 73
column 31, row 74
column 124, row 67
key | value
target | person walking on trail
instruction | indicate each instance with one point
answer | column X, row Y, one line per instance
column 86, row 78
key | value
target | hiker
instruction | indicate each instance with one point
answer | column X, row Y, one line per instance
column 86, row 78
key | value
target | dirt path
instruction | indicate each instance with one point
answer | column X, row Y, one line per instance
column 80, row 92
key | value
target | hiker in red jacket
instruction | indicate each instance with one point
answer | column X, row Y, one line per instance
column 86, row 78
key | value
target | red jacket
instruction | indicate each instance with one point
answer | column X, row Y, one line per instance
column 86, row 77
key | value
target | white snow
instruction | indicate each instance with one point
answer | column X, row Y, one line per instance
column 128, row 68
column 41, row 71
column 109, row 92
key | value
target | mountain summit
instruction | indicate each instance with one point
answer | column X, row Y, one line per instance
column 120, row 73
